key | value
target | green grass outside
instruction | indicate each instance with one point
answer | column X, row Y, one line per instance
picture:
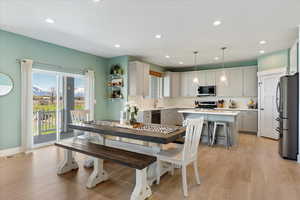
column 50, row 107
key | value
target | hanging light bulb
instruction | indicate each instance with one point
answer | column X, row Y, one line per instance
column 223, row 77
column 195, row 79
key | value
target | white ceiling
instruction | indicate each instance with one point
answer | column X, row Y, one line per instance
column 185, row 25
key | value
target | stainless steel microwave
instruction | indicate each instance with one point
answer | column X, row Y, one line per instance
column 207, row 90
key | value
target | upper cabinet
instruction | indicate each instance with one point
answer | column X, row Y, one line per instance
column 210, row 78
column 185, row 76
column 235, row 79
column 188, row 86
column 294, row 58
column 172, row 81
column 241, row 81
column 138, row 75
column 250, row 82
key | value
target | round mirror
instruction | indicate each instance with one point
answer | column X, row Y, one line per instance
column 6, row 84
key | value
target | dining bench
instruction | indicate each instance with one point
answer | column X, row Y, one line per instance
column 99, row 152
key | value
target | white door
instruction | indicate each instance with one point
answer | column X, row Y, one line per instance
column 267, row 107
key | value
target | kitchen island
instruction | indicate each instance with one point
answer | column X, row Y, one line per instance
column 210, row 116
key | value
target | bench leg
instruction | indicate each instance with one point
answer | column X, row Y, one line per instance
column 98, row 175
column 141, row 190
column 68, row 164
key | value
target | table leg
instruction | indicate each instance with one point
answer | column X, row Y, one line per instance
column 151, row 170
column 89, row 162
column 141, row 190
column 68, row 164
column 98, row 175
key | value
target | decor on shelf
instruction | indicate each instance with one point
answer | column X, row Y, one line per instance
column 116, row 70
column 115, row 82
column 116, row 94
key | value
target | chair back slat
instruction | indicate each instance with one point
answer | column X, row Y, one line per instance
column 79, row 115
column 192, row 138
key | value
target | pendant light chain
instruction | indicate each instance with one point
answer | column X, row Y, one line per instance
column 223, row 78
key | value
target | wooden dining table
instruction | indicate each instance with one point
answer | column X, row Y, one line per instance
column 148, row 140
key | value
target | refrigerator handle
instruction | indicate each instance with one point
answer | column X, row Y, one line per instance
column 278, row 97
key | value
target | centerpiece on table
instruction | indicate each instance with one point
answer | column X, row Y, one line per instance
column 129, row 115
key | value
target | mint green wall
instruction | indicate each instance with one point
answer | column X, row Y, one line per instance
column 12, row 47
column 274, row 60
column 115, row 106
column 214, row 66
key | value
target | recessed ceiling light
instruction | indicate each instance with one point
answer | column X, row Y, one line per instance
column 96, row 1
column 216, row 58
column 49, row 20
column 261, row 51
column 157, row 36
column 181, row 62
column 117, row 45
column 167, row 56
column 217, row 23
column 263, row 42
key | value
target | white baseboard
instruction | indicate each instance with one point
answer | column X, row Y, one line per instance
column 298, row 158
column 10, row 151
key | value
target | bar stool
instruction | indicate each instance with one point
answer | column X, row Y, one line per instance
column 226, row 133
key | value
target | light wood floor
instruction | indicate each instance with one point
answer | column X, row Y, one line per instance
column 252, row 171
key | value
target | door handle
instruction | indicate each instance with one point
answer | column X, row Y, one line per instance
column 262, row 109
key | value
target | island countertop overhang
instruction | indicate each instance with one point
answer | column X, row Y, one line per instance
column 210, row 112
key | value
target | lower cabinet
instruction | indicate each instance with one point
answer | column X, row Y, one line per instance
column 144, row 117
column 248, row 121
column 171, row 117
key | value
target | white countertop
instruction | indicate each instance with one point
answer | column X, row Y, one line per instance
column 210, row 112
column 165, row 108
column 190, row 107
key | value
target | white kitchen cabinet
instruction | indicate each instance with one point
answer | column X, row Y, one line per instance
column 188, row 87
column 201, row 78
column 235, row 82
column 293, row 58
column 193, row 84
column 249, row 121
column 184, row 84
column 172, row 81
column 234, row 86
column 222, row 89
column 138, row 78
column 144, row 116
column 250, row 82
column 210, row 78
column 171, row 117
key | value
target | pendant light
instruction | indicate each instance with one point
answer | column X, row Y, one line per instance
column 195, row 79
column 223, row 77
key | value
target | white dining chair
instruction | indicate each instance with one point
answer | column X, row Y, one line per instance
column 185, row 154
column 79, row 116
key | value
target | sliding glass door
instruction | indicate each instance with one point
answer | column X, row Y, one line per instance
column 55, row 94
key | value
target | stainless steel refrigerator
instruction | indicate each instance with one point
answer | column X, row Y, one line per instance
column 287, row 105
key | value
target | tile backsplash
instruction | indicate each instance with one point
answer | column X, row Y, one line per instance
column 148, row 103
